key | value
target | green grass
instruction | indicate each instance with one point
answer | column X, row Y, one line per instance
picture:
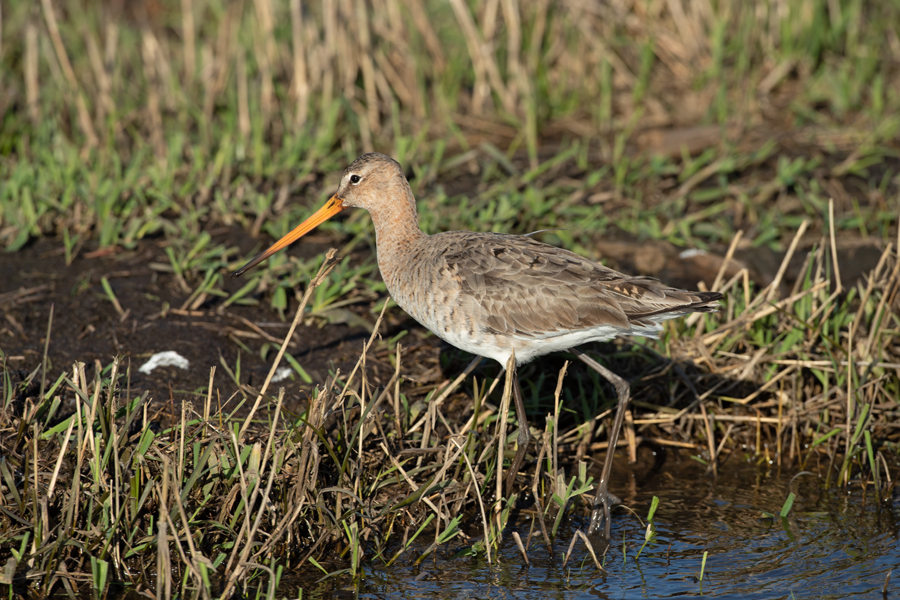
column 102, row 484
column 226, row 138
column 116, row 134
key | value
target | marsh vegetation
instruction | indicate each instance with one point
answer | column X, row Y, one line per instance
column 148, row 147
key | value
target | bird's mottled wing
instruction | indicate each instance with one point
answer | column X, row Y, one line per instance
column 526, row 288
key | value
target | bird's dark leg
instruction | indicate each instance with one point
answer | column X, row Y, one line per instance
column 604, row 500
column 524, row 434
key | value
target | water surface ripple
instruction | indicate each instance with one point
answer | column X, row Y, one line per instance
column 835, row 543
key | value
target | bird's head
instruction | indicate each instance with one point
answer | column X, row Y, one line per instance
column 373, row 181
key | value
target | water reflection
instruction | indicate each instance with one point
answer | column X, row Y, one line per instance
column 833, row 544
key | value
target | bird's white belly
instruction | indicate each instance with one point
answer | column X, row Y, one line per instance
column 461, row 322
column 500, row 347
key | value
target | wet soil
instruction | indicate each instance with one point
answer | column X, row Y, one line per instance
column 828, row 532
column 87, row 327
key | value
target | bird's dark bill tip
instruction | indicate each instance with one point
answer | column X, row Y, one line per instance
column 253, row 262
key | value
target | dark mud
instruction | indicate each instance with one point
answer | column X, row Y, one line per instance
column 832, row 545
column 86, row 327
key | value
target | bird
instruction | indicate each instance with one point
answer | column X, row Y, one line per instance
column 500, row 295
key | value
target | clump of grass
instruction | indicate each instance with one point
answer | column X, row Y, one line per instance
column 821, row 357
column 214, row 502
column 514, row 116
column 96, row 496
column 171, row 117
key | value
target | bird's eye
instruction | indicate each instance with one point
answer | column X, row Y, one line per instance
column 354, row 179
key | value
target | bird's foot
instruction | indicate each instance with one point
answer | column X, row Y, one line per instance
column 600, row 522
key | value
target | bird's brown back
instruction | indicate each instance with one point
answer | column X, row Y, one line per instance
column 529, row 289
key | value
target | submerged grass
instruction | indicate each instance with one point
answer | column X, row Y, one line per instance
column 725, row 125
column 219, row 504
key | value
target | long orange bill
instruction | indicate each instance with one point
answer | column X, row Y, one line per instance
column 331, row 208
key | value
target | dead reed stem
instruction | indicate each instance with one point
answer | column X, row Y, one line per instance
column 190, row 43
column 31, row 72
column 501, row 429
column 300, row 85
column 327, row 265
column 84, row 117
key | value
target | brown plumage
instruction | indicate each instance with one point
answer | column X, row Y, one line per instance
column 494, row 294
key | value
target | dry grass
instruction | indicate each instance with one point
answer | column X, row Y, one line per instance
column 170, row 117
column 360, row 474
column 390, row 69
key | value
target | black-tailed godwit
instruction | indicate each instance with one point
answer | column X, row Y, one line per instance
column 493, row 294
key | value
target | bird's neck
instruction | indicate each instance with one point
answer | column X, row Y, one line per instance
column 397, row 234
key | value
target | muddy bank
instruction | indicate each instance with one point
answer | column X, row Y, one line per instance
column 152, row 317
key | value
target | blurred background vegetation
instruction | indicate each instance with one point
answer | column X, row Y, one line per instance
column 128, row 118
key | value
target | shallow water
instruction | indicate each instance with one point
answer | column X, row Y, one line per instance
column 833, row 544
